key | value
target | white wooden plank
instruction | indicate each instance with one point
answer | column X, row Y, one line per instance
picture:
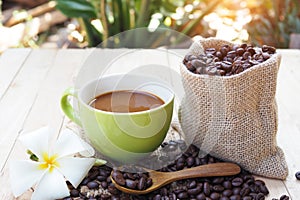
column 289, row 114
column 18, row 100
column 288, row 140
column 10, row 63
column 46, row 108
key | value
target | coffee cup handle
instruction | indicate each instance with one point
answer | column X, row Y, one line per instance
column 67, row 107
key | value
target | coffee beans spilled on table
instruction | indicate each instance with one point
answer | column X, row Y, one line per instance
column 97, row 185
column 228, row 60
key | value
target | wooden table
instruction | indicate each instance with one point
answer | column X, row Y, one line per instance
column 32, row 82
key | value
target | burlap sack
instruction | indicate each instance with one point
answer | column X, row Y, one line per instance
column 235, row 117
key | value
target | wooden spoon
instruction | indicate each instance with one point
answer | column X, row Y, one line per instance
column 160, row 179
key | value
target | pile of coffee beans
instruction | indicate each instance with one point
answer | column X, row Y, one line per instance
column 98, row 185
column 136, row 181
column 228, row 60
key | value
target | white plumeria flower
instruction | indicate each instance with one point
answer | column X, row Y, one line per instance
column 55, row 165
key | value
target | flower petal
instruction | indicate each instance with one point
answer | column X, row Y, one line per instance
column 75, row 169
column 23, row 174
column 52, row 186
column 37, row 141
column 69, row 143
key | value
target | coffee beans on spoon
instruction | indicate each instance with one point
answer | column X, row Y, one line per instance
column 228, row 60
column 135, row 181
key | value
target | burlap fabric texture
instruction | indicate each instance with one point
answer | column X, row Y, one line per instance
column 235, row 117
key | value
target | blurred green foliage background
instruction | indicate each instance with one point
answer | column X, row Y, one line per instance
column 254, row 21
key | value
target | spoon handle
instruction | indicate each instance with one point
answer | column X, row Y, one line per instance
column 209, row 170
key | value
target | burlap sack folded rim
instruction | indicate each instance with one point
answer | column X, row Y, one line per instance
column 276, row 154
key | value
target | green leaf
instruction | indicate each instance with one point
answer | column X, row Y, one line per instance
column 76, row 8
column 99, row 162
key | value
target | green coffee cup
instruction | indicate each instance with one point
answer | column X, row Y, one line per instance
column 123, row 137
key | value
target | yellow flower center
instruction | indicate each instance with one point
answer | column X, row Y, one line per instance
column 49, row 162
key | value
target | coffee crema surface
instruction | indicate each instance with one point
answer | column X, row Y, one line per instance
column 124, row 101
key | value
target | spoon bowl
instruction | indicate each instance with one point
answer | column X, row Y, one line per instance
column 160, row 179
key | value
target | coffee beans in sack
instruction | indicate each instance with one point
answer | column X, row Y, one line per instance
column 229, row 109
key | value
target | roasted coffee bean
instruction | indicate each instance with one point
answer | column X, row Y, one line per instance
column 211, row 70
column 149, row 182
column 104, row 184
column 195, row 191
column 219, row 55
column 142, row 183
column 101, row 178
column 157, row 197
column 115, row 198
column 247, row 198
column 92, row 185
column 113, row 190
column 226, row 66
column 218, row 188
column 190, row 66
column 164, row 191
column 266, row 55
column 246, row 55
column 224, row 198
column 182, row 195
column 236, row 190
column 197, row 161
column 93, row 174
column 179, row 166
column 227, row 184
column 177, row 191
column 118, row 177
column 221, row 72
column 284, row 197
column 85, row 181
column 245, row 191
column 201, row 196
column 297, row 175
column 224, row 50
column 190, row 161
column 192, row 184
column 263, row 189
column 206, row 188
column 231, row 54
column 198, row 63
column 130, row 183
column 254, row 188
column 251, row 51
column 260, row 196
column 235, row 197
column 214, row 196
column 236, row 182
column 265, row 48
column 227, row 193
column 240, row 51
column 74, row 193
column 244, row 45
column 210, row 51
